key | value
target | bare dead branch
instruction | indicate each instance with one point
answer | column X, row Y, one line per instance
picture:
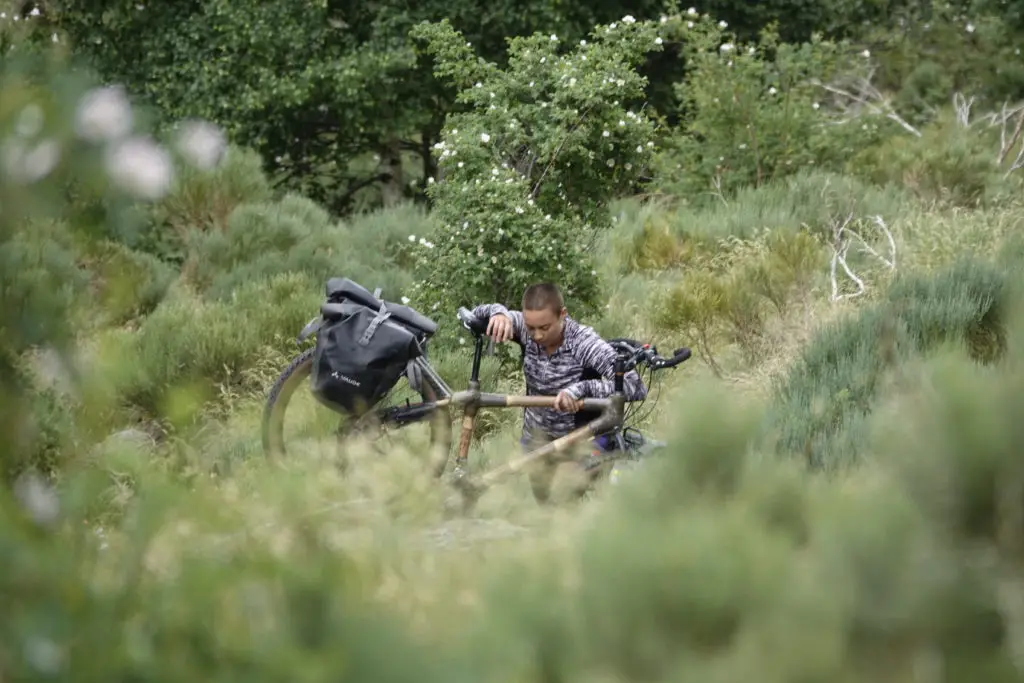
column 868, row 96
column 962, row 106
column 842, row 241
column 1007, row 145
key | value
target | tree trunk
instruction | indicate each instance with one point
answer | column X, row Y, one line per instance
column 393, row 189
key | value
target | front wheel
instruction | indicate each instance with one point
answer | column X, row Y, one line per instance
column 318, row 417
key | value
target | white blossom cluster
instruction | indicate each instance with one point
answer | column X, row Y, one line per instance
column 104, row 117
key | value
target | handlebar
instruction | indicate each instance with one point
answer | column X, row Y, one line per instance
column 630, row 351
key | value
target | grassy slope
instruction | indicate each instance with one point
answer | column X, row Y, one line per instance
column 389, row 515
column 210, row 521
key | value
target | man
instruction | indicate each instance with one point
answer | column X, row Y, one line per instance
column 562, row 358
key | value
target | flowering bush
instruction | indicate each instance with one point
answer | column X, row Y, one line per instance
column 527, row 169
column 760, row 111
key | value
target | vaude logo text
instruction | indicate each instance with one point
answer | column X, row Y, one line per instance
column 344, row 378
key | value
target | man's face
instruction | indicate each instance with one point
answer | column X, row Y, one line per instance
column 544, row 326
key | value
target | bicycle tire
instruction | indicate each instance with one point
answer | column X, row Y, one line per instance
column 291, row 378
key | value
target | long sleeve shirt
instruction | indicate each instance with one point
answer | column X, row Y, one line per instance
column 546, row 375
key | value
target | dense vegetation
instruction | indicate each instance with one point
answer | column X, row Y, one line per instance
column 823, row 199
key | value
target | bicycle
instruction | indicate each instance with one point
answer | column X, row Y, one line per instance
column 437, row 398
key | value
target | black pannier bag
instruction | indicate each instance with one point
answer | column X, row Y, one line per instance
column 360, row 356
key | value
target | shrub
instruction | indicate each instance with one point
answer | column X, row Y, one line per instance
column 127, row 283
column 202, row 200
column 820, row 407
column 809, row 199
column 295, row 235
column 757, row 113
column 530, row 164
column 725, row 293
column 189, row 345
column 949, row 163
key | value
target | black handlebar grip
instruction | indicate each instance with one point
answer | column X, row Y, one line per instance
column 680, row 355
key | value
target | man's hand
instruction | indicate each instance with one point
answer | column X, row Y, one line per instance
column 566, row 403
column 499, row 328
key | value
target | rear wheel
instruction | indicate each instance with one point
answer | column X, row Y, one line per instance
column 290, row 403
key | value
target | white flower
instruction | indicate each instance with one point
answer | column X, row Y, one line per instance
column 29, row 166
column 726, row 47
column 519, row 209
column 554, row 37
column 38, row 498
column 605, row 134
column 34, row 12
column 30, row 121
column 723, row 24
column 692, row 11
column 689, row 24
column 610, row 162
column 772, row 90
column 572, row 81
column 405, row 300
column 583, row 43
column 815, row 105
column 663, row 19
column 104, row 114
column 484, row 137
column 559, row 266
column 628, row 19
column 41, row 161
column 412, row 238
column 970, row 28
column 54, row 38
column 202, row 143
column 865, row 54
column 658, row 41
column 621, row 123
column 639, row 148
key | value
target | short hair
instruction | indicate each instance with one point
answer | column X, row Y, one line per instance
column 543, row 295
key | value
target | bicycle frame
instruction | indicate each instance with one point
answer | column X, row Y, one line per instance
column 472, row 400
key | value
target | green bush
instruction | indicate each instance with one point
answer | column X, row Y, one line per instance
column 813, row 200
column 949, row 163
column 728, row 291
column 203, row 200
column 127, row 283
column 820, row 408
column 188, row 348
column 756, row 113
column 295, row 235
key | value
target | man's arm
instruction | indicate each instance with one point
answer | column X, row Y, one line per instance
column 593, row 352
column 518, row 325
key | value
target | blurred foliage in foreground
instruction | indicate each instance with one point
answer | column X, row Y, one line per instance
column 715, row 563
column 719, row 562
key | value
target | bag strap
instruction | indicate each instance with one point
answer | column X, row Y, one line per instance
column 382, row 315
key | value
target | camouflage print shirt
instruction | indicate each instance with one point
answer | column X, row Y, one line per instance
column 546, row 375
